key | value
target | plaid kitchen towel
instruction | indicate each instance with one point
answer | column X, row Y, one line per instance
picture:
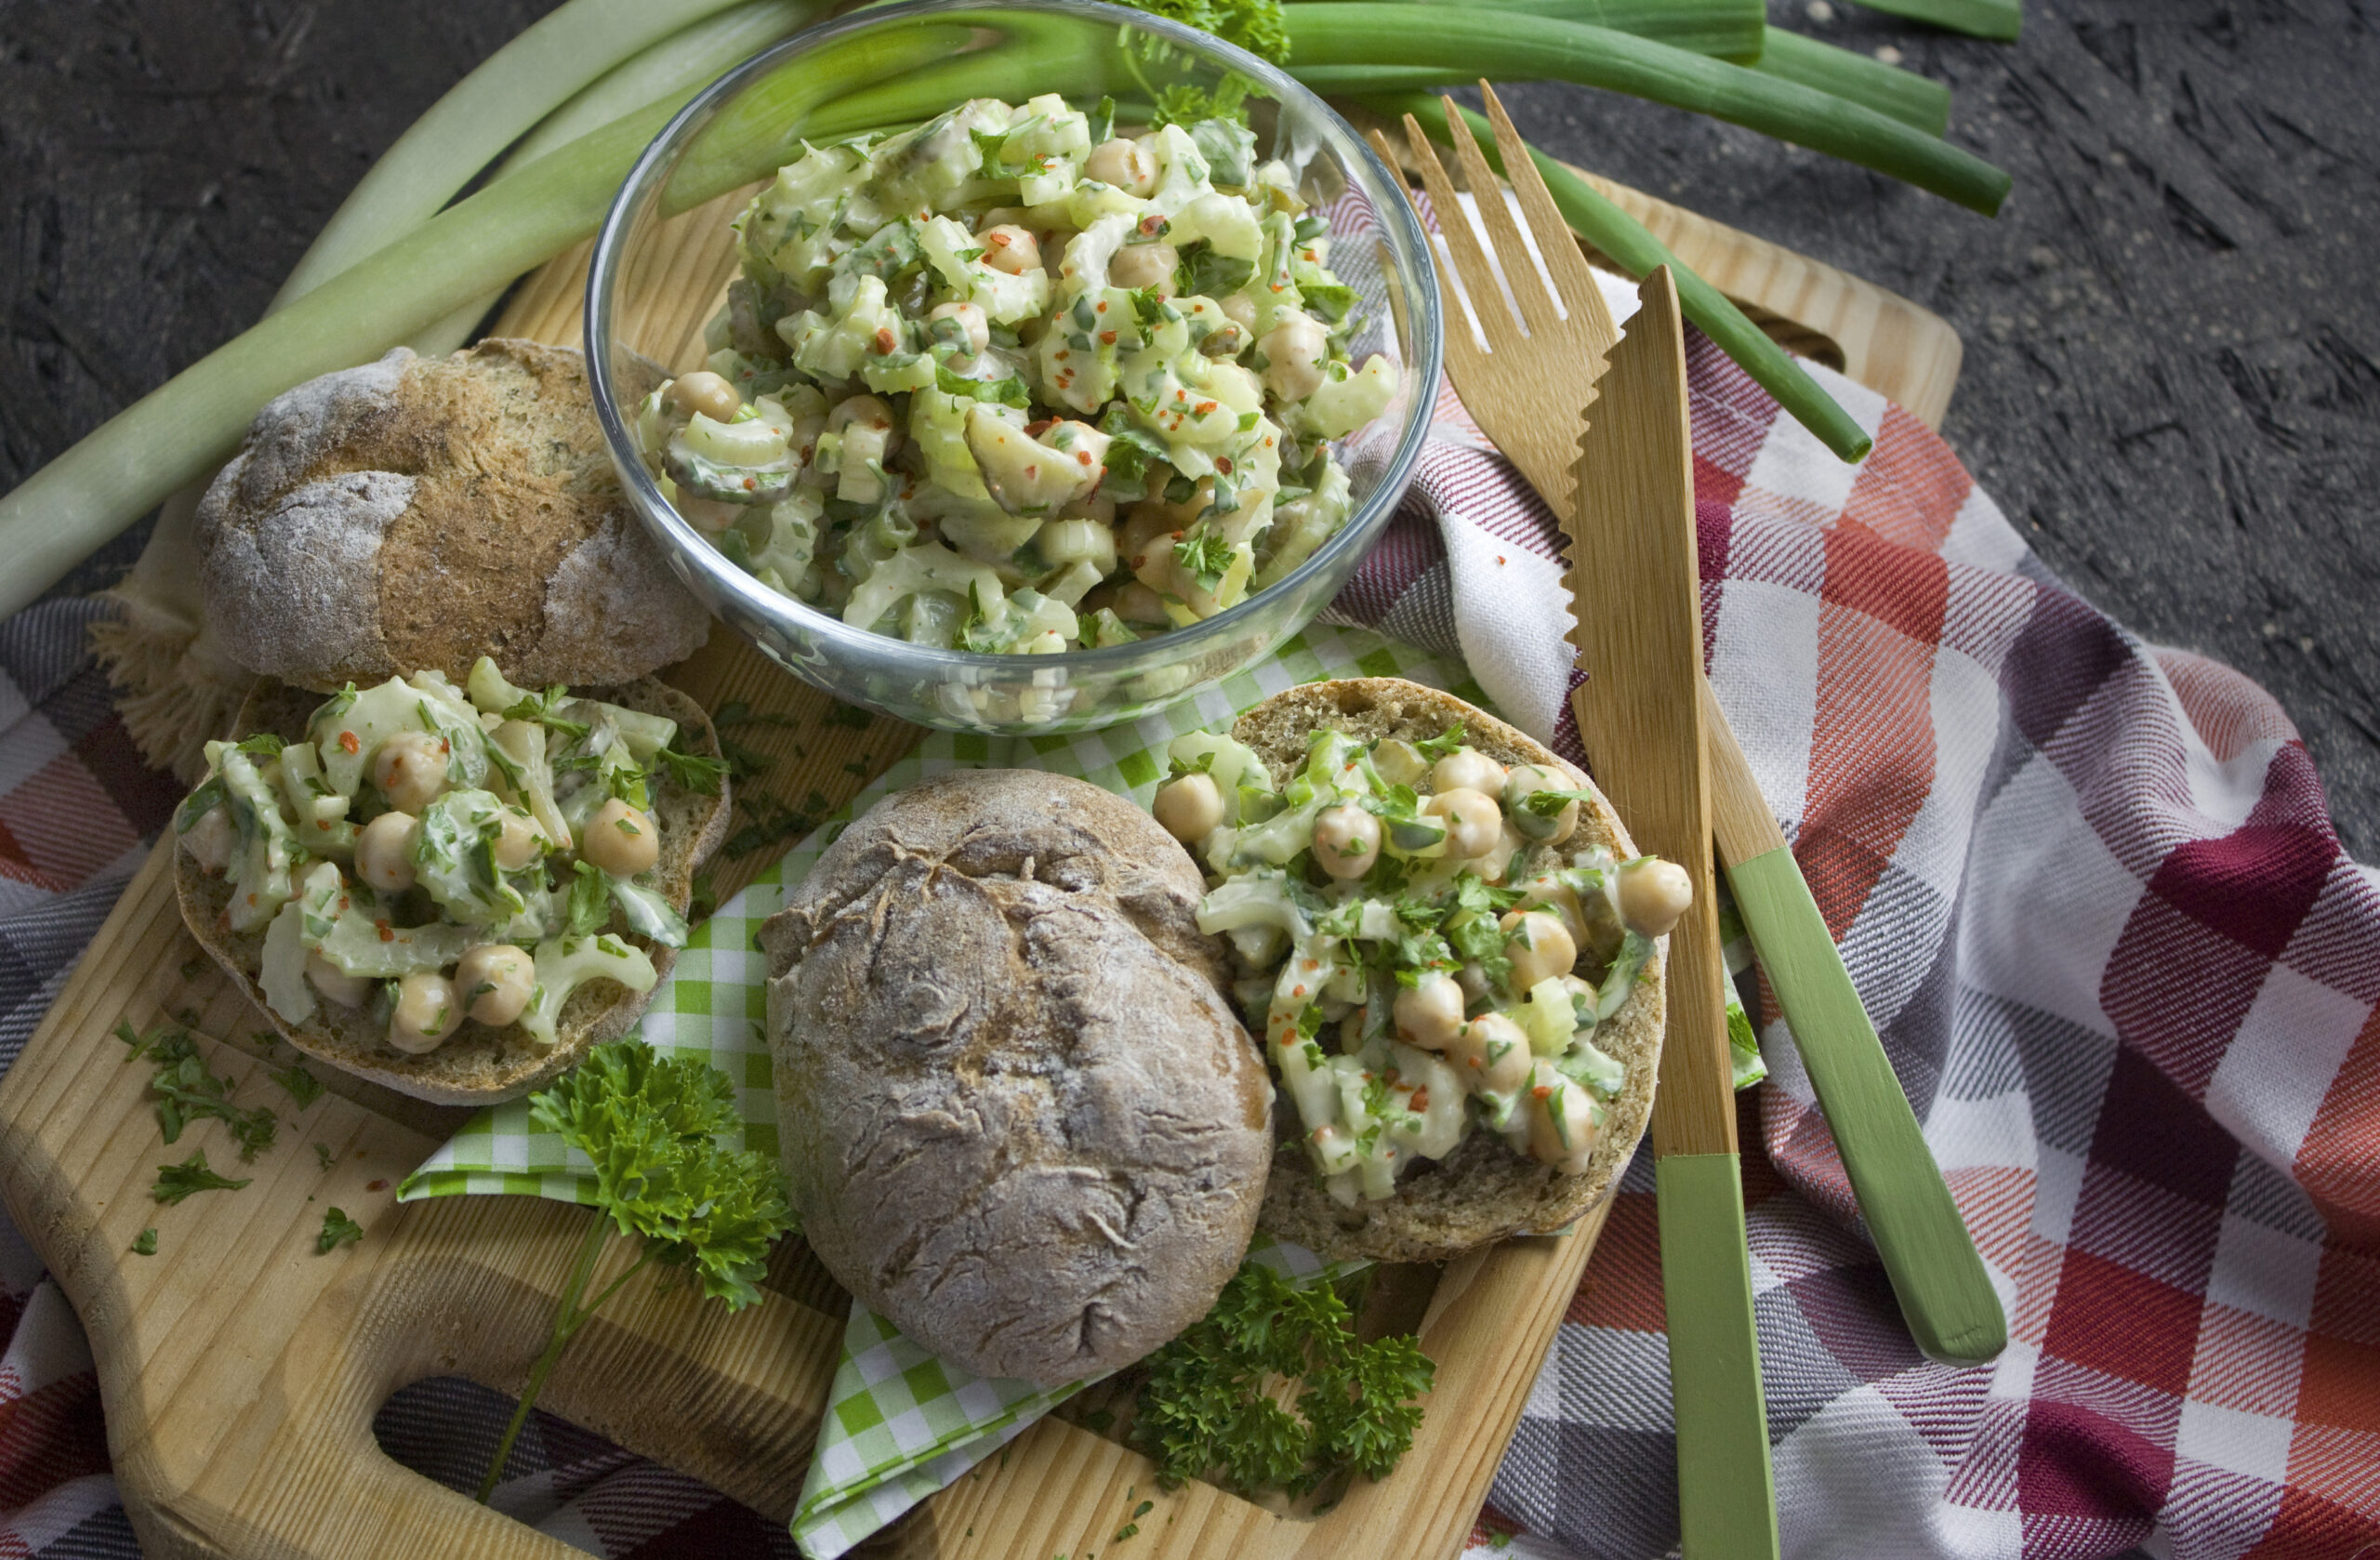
column 2087, row 886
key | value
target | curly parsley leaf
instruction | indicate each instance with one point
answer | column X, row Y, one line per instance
column 1443, row 745
column 1205, row 1410
column 591, row 899
column 1205, row 557
column 145, row 1243
column 192, row 1176
column 543, row 709
column 186, row 1089
column 693, row 771
column 337, row 1230
column 297, row 1083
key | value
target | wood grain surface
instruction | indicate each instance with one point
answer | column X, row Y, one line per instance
column 240, row 1369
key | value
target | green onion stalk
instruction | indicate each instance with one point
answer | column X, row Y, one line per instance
column 1342, row 47
column 1918, row 101
column 2000, row 20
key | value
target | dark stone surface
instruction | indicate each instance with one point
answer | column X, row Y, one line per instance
column 2173, row 369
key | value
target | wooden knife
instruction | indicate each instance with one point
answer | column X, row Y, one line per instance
column 1636, row 590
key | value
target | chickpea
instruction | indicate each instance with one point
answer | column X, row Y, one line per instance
column 1126, row 164
column 1467, row 769
column 1398, row 762
column 1144, row 265
column 1009, row 248
column 1136, row 602
column 1526, row 780
column 1294, row 350
column 496, row 981
column 519, row 843
column 1190, row 807
column 1346, row 841
column 347, row 991
column 1540, row 946
column 1474, row 825
column 1492, row 1053
column 868, row 412
column 1561, row 1121
column 384, row 851
column 621, row 840
column 1555, row 897
column 1240, row 310
column 1653, row 894
column 410, row 770
column 1430, row 1012
column 706, row 393
column 426, row 1012
column 968, row 330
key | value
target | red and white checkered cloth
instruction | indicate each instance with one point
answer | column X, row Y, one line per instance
column 2086, row 887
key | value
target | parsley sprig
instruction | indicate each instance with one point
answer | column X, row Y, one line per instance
column 1205, row 1410
column 187, row 1090
column 651, row 1125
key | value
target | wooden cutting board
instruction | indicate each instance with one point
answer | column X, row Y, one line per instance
column 240, row 1369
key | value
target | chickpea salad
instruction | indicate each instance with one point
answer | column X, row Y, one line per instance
column 428, row 853
column 1424, row 949
column 1014, row 381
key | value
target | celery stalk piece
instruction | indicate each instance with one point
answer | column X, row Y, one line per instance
column 2001, row 20
column 56, row 517
column 1627, row 244
column 1521, row 47
column 1913, row 99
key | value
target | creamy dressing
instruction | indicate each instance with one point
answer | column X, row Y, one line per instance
column 1430, row 952
column 1011, row 382
column 419, row 832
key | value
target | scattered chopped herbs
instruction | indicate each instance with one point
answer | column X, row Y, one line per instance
column 337, row 1230
column 1205, row 1412
column 539, row 708
column 736, row 712
column 323, row 1156
column 1443, row 745
column 193, row 1174
column 849, row 715
column 297, row 1083
column 193, row 967
column 653, row 1125
column 145, row 1243
column 741, row 761
column 773, row 823
column 702, row 898
column 857, row 767
column 186, row 1089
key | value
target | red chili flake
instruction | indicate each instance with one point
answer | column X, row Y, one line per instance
column 1543, row 1091
column 752, row 483
column 1222, row 464
column 1061, row 354
column 1203, row 407
column 885, row 340
column 1102, row 309
column 1035, row 429
column 1083, row 456
column 1152, row 224
column 376, row 1185
column 252, row 899
column 343, row 902
column 1031, row 472
column 443, row 748
column 1500, row 560
column 348, row 743
column 1268, row 443
column 1181, row 395
column 1475, row 1064
column 1108, row 339
column 319, row 824
column 387, row 933
column 997, row 239
column 1422, row 1098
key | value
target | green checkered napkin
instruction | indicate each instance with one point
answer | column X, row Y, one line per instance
column 900, row 1424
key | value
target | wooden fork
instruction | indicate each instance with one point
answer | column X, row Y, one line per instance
column 1529, row 389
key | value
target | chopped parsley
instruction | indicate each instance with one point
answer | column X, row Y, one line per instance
column 337, row 1230
column 145, row 1243
column 192, row 1176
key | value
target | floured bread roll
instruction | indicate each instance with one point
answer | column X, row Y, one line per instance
column 1019, row 1115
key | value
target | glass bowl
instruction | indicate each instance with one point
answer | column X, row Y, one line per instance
column 659, row 271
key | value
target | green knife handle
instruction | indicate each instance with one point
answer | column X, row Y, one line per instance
column 1727, row 1490
column 1945, row 1294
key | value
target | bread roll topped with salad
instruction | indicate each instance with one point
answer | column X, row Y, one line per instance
column 452, row 891
column 1450, row 950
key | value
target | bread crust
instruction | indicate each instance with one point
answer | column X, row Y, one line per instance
column 415, row 514
column 477, row 1064
column 1019, row 1115
column 1483, row 1191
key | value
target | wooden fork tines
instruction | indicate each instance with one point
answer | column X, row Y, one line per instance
column 1526, row 384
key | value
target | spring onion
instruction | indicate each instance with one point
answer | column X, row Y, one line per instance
column 2000, row 20
column 1723, row 29
column 1913, row 99
column 1628, row 244
column 1325, row 39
